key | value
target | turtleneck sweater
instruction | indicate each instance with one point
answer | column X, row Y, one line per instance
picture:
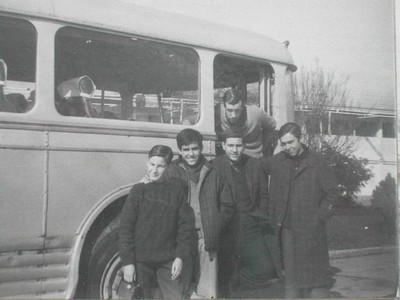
column 194, row 171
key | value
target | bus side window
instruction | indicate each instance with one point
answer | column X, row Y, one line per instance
column 4, row 104
column 18, row 57
column 10, row 102
column 136, row 80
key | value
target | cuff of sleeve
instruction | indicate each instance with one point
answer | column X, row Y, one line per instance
column 182, row 253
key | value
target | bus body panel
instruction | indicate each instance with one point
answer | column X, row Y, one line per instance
column 102, row 169
column 21, row 179
column 22, row 191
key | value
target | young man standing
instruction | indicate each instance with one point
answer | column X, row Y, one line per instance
column 211, row 200
column 244, row 237
column 156, row 229
column 303, row 191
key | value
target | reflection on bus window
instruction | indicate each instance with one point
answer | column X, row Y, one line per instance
column 133, row 79
column 75, row 97
column 17, row 65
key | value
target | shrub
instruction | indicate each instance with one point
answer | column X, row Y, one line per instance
column 350, row 171
column 384, row 198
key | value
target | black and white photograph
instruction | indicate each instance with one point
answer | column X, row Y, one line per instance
column 199, row 149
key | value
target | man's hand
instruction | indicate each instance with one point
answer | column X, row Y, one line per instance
column 145, row 179
column 129, row 273
column 176, row 269
column 212, row 255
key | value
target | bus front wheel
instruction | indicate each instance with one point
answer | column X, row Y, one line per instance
column 104, row 265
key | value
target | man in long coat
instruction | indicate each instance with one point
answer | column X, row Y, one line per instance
column 302, row 194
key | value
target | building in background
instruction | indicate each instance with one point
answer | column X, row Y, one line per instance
column 373, row 133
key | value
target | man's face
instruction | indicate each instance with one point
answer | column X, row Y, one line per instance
column 233, row 111
column 191, row 153
column 156, row 166
column 291, row 145
column 234, row 148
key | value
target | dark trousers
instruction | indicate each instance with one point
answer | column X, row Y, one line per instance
column 149, row 275
column 227, row 265
column 256, row 263
column 291, row 288
column 228, row 256
column 244, row 257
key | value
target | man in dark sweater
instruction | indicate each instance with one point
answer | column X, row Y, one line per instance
column 245, row 235
column 156, row 229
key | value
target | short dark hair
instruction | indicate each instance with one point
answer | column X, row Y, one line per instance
column 162, row 151
column 232, row 97
column 290, row 127
column 189, row 136
column 230, row 133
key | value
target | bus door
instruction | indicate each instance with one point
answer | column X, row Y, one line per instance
column 254, row 79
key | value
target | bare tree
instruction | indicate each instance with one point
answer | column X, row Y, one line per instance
column 317, row 94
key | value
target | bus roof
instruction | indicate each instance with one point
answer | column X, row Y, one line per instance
column 122, row 16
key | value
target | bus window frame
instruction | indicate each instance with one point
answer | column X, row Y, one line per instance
column 45, row 114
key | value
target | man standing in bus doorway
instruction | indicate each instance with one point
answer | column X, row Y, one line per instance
column 211, row 199
column 244, row 256
column 303, row 191
column 256, row 126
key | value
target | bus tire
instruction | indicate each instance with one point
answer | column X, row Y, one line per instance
column 104, row 264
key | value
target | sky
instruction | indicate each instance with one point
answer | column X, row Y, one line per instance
column 352, row 38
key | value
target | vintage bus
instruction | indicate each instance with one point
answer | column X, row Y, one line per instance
column 86, row 88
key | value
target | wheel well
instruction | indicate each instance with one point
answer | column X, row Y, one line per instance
column 101, row 222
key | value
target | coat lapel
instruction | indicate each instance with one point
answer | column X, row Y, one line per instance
column 301, row 168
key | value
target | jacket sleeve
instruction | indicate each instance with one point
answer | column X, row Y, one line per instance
column 329, row 188
column 186, row 225
column 128, row 218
